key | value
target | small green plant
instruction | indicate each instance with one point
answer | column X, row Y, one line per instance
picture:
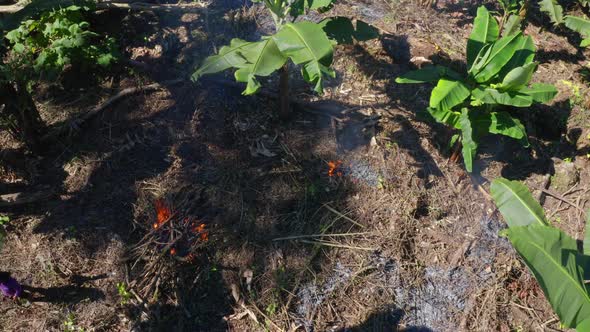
column 70, row 324
column 552, row 256
column 38, row 50
column 4, row 220
column 478, row 102
column 305, row 43
column 124, row 294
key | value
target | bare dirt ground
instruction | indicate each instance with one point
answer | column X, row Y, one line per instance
column 397, row 239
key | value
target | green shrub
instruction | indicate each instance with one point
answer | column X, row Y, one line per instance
column 478, row 102
column 42, row 48
column 39, row 49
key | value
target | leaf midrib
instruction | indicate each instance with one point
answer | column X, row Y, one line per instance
column 233, row 50
column 492, row 56
column 255, row 67
column 560, row 267
column 541, row 221
column 292, row 27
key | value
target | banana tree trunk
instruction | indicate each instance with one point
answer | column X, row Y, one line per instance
column 456, row 154
column 284, row 105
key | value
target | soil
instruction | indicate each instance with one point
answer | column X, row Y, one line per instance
column 397, row 239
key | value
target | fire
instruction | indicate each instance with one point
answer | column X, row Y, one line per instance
column 201, row 231
column 334, row 168
column 163, row 213
column 172, row 251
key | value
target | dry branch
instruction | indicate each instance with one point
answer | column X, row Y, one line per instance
column 123, row 93
column 15, row 199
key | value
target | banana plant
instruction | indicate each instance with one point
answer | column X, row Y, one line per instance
column 478, row 102
column 307, row 44
column 556, row 15
column 551, row 255
column 513, row 14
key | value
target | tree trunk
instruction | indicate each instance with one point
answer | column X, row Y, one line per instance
column 284, row 111
column 20, row 108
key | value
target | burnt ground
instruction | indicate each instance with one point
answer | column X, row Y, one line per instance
column 399, row 238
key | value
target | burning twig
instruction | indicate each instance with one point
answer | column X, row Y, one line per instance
column 335, row 168
column 170, row 233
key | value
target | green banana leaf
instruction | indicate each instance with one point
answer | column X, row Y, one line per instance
column 264, row 58
column 553, row 9
column 496, row 57
column 518, row 77
column 448, row 94
column 427, row 74
column 553, row 258
column 306, row 44
column 540, row 92
column 485, row 30
column 495, row 97
column 502, row 123
column 468, row 139
column 584, row 326
column 516, row 203
column 228, row 57
column 524, row 54
column 512, row 25
column 579, row 25
column 448, row 117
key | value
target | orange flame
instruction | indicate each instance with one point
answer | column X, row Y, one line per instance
column 202, row 231
column 163, row 213
column 334, row 168
column 172, row 251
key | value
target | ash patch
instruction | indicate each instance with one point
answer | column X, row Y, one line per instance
column 311, row 296
column 441, row 298
column 487, row 247
column 371, row 11
column 444, row 292
column 363, row 172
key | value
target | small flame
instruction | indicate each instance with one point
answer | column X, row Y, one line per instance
column 163, row 213
column 334, row 168
column 172, row 251
column 204, row 234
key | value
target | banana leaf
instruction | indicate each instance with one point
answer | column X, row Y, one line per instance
column 485, row 31
column 448, row 94
column 516, row 203
column 306, row 44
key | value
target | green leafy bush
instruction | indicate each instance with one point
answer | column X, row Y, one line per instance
column 551, row 255
column 38, row 49
column 58, row 38
column 305, row 43
column 477, row 103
